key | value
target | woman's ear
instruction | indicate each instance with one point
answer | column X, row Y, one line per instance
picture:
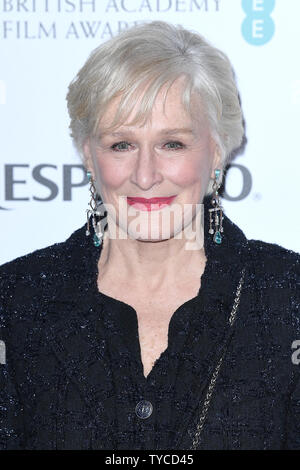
column 87, row 154
column 217, row 160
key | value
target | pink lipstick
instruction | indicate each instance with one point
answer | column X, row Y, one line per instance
column 152, row 204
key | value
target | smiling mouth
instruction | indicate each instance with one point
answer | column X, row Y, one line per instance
column 152, row 204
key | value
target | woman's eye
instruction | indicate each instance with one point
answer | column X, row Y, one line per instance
column 120, row 146
column 124, row 146
column 175, row 145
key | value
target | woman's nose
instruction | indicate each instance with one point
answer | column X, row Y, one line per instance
column 146, row 172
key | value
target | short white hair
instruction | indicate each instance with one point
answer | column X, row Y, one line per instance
column 145, row 58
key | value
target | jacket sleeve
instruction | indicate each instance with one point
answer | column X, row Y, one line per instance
column 11, row 420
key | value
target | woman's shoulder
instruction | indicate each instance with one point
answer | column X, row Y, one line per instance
column 274, row 280
column 37, row 274
column 267, row 260
column 52, row 257
column 32, row 262
column 274, row 262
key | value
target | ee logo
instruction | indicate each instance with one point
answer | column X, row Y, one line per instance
column 258, row 27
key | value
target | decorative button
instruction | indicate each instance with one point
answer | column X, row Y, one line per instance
column 144, row 409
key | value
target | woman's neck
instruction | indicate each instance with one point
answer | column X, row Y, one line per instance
column 155, row 265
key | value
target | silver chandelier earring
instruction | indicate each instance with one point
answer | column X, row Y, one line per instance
column 216, row 212
column 94, row 213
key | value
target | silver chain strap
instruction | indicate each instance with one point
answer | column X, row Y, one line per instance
column 196, row 439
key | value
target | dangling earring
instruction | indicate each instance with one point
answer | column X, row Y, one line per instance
column 217, row 210
column 94, row 213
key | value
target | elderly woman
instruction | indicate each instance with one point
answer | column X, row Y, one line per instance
column 158, row 324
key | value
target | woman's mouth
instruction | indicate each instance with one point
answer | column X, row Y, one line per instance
column 152, row 204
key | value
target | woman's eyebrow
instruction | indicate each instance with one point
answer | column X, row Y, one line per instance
column 178, row 130
column 167, row 131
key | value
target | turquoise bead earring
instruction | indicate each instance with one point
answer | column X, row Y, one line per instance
column 94, row 212
column 216, row 212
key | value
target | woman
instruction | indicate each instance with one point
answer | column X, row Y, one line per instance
column 136, row 333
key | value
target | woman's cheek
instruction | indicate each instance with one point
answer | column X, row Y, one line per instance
column 189, row 173
column 112, row 174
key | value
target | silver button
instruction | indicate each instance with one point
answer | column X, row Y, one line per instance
column 144, row 409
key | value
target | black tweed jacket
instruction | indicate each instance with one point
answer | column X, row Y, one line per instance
column 71, row 375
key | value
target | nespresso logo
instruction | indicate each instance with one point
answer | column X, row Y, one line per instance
column 44, row 182
column 21, row 182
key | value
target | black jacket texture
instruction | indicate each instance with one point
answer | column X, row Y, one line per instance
column 72, row 376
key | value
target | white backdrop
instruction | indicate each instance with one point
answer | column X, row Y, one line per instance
column 43, row 43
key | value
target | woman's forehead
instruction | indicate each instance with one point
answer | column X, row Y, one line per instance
column 168, row 109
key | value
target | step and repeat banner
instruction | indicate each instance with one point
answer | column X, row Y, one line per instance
column 43, row 43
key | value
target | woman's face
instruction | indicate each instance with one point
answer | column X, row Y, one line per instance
column 172, row 155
